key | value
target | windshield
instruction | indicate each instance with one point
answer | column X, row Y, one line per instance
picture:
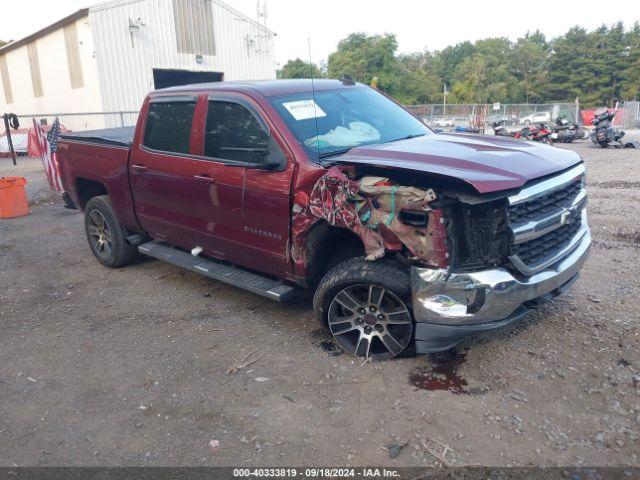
column 345, row 118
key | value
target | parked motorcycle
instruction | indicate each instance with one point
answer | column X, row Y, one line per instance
column 500, row 130
column 564, row 131
column 604, row 134
column 538, row 133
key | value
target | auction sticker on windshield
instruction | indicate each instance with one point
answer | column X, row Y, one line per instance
column 304, row 109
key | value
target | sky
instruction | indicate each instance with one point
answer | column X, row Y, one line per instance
column 418, row 24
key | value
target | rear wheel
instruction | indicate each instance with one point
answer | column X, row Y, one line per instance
column 604, row 144
column 107, row 238
column 366, row 306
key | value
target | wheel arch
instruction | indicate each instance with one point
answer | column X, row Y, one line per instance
column 327, row 246
column 86, row 189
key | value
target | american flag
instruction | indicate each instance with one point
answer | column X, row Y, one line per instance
column 48, row 143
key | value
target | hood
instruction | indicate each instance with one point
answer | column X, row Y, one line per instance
column 488, row 163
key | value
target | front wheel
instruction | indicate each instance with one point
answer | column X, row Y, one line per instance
column 107, row 238
column 366, row 306
column 583, row 133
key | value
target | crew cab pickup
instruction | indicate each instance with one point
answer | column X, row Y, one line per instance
column 411, row 240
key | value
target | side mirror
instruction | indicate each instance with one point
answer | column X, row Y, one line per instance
column 270, row 157
column 274, row 158
column 271, row 162
column 265, row 157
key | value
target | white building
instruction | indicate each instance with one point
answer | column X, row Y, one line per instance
column 107, row 57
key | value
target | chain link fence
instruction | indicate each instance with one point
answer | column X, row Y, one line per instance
column 455, row 115
column 82, row 121
column 436, row 115
column 439, row 116
column 446, row 116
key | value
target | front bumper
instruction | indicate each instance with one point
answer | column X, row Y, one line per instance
column 450, row 306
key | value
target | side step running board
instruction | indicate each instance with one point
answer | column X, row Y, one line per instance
column 237, row 277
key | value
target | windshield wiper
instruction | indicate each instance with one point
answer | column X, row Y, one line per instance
column 334, row 153
column 407, row 137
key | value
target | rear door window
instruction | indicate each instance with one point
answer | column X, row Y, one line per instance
column 168, row 124
column 233, row 133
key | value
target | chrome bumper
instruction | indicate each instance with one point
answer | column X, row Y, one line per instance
column 448, row 306
column 487, row 299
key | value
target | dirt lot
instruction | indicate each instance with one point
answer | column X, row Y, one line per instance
column 130, row 366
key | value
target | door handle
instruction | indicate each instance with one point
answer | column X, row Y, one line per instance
column 204, row 178
column 139, row 168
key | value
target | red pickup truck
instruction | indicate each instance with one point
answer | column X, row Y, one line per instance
column 411, row 240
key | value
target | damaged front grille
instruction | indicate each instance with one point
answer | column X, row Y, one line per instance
column 542, row 206
column 546, row 221
column 534, row 252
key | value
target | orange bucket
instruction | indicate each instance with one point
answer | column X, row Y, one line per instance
column 13, row 197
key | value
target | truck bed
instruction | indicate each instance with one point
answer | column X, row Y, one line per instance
column 98, row 159
column 122, row 136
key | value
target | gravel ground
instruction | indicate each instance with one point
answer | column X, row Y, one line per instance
column 132, row 366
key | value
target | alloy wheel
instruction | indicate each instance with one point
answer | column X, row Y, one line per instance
column 368, row 320
column 99, row 234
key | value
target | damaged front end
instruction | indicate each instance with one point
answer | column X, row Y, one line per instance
column 510, row 254
column 386, row 216
column 478, row 262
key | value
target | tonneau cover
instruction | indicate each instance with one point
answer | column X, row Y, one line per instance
column 122, row 136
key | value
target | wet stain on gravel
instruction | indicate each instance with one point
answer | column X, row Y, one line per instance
column 331, row 348
column 324, row 340
column 442, row 374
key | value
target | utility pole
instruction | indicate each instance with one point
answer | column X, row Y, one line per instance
column 444, row 95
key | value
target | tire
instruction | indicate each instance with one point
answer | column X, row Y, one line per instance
column 106, row 237
column 367, row 307
column 604, row 144
column 583, row 133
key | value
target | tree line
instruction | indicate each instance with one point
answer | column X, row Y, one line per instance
column 598, row 67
